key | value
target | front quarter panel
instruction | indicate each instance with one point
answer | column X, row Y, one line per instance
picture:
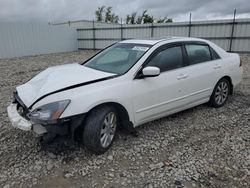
column 85, row 98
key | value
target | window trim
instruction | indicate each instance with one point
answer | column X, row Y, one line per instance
column 157, row 51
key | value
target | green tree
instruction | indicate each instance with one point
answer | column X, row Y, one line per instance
column 133, row 18
column 108, row 14
column 147, row 18
column 164, row 20
column 114, row 18
column 99, row 13
column 128, row 19
column 104, row 14
column 140, row 18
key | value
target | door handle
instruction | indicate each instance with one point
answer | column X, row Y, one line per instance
column 182, row 76
column 217, row 66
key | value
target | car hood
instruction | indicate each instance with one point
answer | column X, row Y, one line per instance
column 55, row 78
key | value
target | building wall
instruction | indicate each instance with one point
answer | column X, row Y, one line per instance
column 22, row 39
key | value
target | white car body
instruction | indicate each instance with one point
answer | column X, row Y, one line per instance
column 144, row 99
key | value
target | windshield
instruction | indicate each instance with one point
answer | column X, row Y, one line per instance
column 119, row 58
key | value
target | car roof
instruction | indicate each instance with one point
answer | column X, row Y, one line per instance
column 153, row 41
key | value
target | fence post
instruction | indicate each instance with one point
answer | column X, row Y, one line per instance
column 94, row 35
column 152, row 30
column 232, row 32
column 121, row 30
column 189, row 25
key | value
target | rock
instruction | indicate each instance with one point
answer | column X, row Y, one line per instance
column 52, row 155
column 68, row 175
column 34, row 181
column 178, row 184
column 83, row 174
column 6, row 186
column 149, row 185
column 37, row 167
column 111, row 175
column 196, row 177
column 168, row 163
column 142, row 174
column 16, row 170
column 49, row 165
column 110, row 157
column 155, row 166
column 98, row 162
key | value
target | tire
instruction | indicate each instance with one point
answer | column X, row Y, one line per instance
column 100, row 129
column 220, row 93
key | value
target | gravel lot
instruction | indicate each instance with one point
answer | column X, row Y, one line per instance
column 200, row 147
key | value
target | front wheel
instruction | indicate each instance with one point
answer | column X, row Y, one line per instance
column 220, row 93
column 100, row 129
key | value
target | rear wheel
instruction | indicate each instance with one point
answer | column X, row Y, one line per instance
column 220, row 93
column 100, row 129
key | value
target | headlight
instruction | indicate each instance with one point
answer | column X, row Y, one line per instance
column 48, row 113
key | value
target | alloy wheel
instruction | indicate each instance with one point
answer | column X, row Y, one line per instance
column 108, row 129
column 221, row 93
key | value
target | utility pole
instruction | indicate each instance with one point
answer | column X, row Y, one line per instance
column 189, row 25
column 232, row 32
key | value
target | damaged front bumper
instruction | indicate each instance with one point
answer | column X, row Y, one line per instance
column 17, row 112
column 65, row 126
column 20, row 122
column 16, row 119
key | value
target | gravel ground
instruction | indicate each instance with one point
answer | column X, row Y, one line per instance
column 200, row 147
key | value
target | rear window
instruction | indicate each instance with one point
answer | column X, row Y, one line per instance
column 198, row 53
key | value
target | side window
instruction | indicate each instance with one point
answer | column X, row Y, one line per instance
column 214, row 54
column 197, row 53
column 168, row 59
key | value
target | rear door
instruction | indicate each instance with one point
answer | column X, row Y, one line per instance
column 203, row 70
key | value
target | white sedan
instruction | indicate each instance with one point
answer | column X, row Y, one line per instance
column 127, row 84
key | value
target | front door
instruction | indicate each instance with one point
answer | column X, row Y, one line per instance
column 156, row 96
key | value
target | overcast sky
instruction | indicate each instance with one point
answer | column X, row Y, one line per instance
column 64, row 10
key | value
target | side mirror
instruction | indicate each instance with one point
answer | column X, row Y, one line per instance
column 150, row 71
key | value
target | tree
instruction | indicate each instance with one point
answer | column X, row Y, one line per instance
column 106, row 15
column 128, row 19
column 114, row 18
column 99, row 13
column 133, row 17
column 143, row 19
column 164, row 20
column 111, row 17
column 147, row 18
column 140, row 18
